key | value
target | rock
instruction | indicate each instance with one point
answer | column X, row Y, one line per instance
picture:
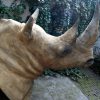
column 60, row 88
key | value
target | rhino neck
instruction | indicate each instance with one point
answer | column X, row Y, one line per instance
column 18, row 67
column 18, row 60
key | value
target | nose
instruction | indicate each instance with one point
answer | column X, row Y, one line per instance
column 90, row 61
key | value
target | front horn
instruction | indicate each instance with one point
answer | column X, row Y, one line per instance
column 89, row 36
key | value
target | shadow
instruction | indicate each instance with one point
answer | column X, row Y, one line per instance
column 3, row 96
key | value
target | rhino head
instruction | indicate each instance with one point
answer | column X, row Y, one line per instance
column 62, row 51
column 26, row 49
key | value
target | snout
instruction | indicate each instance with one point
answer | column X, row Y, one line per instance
column 89, row 63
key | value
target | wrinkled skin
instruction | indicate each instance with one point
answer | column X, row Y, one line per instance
column 26, row 50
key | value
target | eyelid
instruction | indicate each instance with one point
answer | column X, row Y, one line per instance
column 65, row 51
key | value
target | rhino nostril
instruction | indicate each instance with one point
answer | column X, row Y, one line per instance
column 90, row 61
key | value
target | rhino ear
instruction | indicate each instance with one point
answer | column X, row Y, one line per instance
column 29, row 24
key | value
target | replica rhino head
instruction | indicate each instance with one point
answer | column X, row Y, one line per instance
column 26, row 50
column 63, row 51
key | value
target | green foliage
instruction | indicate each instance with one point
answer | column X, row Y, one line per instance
column 86, row 12
column 14, row 11
column 56, row 16
column 73, row 73
column 44, row 15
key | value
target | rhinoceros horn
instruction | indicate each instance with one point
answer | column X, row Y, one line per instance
column 88, row 37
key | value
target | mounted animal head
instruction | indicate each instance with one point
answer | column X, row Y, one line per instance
column 63, row 51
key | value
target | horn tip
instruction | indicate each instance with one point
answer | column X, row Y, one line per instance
column 97, row 10
column 35, row 14
column 37, row 10
column 77, row 22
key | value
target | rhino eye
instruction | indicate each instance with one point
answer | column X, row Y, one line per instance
column 65, row 51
